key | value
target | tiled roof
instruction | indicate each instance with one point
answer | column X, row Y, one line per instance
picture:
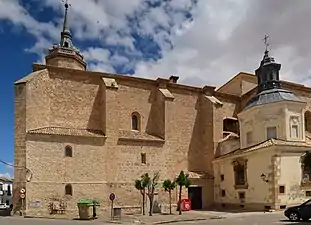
column 137, row 136
column 271, row 142
column 199, row 175
column 30, row 76
column 6, row 180
column 67, row 132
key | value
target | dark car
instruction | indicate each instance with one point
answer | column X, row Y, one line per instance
column 303, row 211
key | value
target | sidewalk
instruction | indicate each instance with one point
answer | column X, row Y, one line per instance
column 186, row 216
column 161, row 218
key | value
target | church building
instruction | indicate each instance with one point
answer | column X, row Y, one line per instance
column 81, row 134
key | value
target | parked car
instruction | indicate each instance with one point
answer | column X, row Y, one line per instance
column 4, row 206
column 296, row 213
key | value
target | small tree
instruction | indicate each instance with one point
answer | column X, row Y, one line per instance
column 168, row 186
column 306, row 160
column 151, row 187
column 182, row 180
column 141, row 184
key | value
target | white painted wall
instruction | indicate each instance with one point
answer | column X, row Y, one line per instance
column 7, row 192
column 258, row 191
column 290, row 177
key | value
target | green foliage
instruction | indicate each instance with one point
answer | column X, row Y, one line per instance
column 183, row 180
column 169, row 185
column 306, row 161
column 147, row 183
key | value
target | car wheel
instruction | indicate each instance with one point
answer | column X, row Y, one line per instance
column 294, row 216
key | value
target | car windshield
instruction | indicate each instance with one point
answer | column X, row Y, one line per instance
column 307, row 202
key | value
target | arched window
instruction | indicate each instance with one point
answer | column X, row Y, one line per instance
column 68, row 189
column 135, row 121
column 68, row 151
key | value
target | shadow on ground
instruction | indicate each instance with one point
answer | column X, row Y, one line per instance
column 5, row 212
column 287, row 222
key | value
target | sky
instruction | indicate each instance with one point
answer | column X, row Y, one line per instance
column 204, row 42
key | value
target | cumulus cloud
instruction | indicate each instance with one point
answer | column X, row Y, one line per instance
column 202, row 41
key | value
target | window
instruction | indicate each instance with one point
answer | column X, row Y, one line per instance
column 1, row 187
column 294, row 131
column 231, row 125
column 308, row 193
column 282, row 189
column 223, row 193
column 222, row 177
column 66, row 45
column 68, row 189
column 249, row 138
column 239, row 168
column 143, row 158
column 241, row 195
column 308, row 121
column 9, row 193
column 135, row 121
column 68, row 151
column 271, row 132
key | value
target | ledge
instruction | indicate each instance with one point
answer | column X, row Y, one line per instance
column 241, row 186
column 64, row 131
column 110, row 83
column 132, row 135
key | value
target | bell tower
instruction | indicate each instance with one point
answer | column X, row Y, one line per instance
column 65, row 53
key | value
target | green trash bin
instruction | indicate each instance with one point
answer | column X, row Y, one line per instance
column 85, row 209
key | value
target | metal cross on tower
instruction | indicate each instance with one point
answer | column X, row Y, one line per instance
column 266, row 41
column 67, row 5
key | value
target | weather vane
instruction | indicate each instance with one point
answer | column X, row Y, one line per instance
column 66, row 4
column 266, row 42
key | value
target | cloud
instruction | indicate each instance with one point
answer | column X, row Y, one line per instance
column 202, row 41
column 6, row 175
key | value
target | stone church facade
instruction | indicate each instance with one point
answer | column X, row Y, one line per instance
column 83, row 134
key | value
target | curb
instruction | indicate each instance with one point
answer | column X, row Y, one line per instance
column 181, row 220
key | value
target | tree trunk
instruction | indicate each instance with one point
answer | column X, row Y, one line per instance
column 170, row 199
column 151, row 205
column 179, row 201
column 143, row 203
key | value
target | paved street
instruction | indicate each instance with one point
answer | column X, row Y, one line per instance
column 264, row 219
column 250, row 219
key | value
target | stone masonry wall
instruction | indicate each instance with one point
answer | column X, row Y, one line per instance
column 38, row 101
column 100, row 166
column 19, row 144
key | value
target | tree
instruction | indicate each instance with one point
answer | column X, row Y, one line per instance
column 182, row 180
column 141, row 184
column 168, row 186
column 306, row 160
column 151, row 187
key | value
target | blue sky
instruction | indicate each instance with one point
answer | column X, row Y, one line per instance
column 204, row 42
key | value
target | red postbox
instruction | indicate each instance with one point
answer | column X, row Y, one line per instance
column 186, row 204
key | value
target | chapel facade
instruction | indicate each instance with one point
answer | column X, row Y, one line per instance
column 82, row 134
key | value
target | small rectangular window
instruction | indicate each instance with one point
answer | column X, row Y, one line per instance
column 222, row 177
column 271, row 132
column 143, row 158
column 282, row 189
column 241, row 195
column 223, row 193
column 249, row 137
column 308, row 193
column 294, row 131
